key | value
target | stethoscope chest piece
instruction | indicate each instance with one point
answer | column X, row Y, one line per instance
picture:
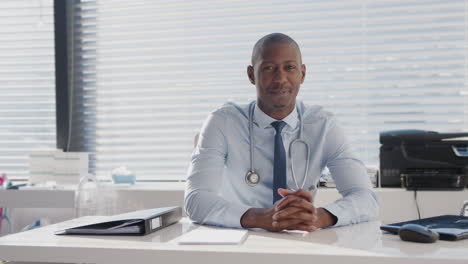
column 252, row 178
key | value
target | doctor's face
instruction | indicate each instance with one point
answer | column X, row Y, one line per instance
column 277, row 73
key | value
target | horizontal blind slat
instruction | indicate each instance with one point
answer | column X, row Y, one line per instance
column 27, row 83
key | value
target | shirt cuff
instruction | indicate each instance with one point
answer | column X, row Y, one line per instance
column 337, row 211
column 233, row 215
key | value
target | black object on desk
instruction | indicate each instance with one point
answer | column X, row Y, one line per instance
column 417, row 233
column 449, row 227
column 136, row 223
column 423, row 160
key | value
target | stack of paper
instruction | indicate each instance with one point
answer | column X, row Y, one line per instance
column 57, row 166
column 41, row 166
column 70, row 167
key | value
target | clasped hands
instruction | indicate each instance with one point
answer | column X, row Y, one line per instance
column 294, row 211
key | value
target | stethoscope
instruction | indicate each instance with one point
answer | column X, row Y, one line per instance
column 252, row 178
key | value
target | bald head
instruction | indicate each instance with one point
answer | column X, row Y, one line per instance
column 277, row 73
column 273, row 38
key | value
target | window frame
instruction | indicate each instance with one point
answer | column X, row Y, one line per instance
column 62, row 99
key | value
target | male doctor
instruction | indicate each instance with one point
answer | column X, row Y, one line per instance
column 221, row 189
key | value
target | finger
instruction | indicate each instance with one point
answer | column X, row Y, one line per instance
column 280, row 204
column 301, row 203
column 285, row 224
column 286, row 212
column 284, row 192
column 303, row 227
column 304, row 194
column 294, row 201
column 301, row 193
column 305, row 217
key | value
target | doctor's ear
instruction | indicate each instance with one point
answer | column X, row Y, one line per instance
column 303, row 72
column 250, row 73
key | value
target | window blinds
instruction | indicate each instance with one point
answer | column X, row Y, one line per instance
column 27, row 83
column 150, row 72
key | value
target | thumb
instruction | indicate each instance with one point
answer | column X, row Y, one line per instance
column 284, row 192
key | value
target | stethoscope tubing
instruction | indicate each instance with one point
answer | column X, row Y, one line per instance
column 298, row 140
column 251, row 112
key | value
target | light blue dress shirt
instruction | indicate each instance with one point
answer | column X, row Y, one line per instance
column 217, row 193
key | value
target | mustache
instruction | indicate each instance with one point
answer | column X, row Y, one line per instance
column 279, row 88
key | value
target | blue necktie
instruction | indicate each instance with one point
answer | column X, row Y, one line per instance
column 279, row 165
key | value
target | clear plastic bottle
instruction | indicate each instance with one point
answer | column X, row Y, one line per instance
column 87, row 196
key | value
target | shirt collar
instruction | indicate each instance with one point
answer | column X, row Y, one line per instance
column 263, row 120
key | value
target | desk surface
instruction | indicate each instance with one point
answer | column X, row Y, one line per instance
column 362, row 243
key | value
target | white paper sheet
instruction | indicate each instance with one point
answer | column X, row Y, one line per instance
column 203, row 236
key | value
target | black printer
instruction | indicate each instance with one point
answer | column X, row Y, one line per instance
column 423, row 160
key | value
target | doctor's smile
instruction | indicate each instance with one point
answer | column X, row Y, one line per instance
column 280, row 91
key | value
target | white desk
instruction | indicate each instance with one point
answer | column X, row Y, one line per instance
column 363, row 243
